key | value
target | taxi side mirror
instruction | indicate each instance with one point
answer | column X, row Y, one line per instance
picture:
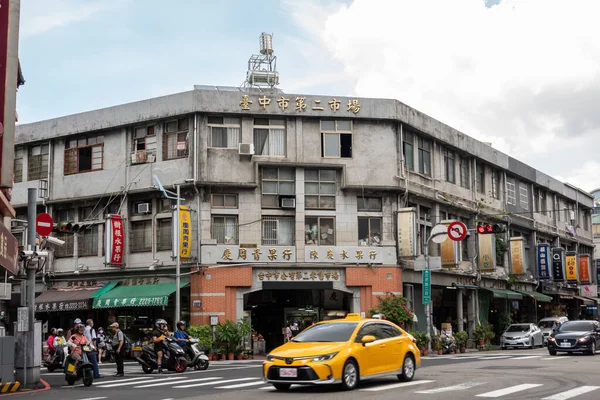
column 367, row 339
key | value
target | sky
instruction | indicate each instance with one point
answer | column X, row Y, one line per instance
column 523, row 75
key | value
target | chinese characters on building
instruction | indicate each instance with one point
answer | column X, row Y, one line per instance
column 312, row 254
column 141, row 281
column 115, row 240
column 543, row 261
column 131, row 302
column 301, row 104
column 185, row 246
column 298, row 275
column 264, row 254
column 62, row 306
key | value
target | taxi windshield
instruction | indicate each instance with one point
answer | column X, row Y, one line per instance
column 333, row 332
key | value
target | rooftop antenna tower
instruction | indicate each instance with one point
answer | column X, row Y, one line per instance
column 262, row 68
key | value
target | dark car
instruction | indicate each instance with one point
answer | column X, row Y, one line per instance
column 575, row 336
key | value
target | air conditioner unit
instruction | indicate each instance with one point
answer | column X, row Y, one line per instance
column 246, row 149
column 287, row 202
column 143, row 208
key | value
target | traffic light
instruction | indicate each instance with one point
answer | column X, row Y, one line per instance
column 489, row 228
column 66, row 227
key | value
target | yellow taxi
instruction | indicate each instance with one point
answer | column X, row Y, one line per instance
column 343, row 351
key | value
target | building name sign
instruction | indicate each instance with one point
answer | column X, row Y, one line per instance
column 88, row 283
column 348, row 255
column 310, row 275
column 300, row 104
column 150, row 301
column 257, row 254
column 63, row 306
column 141, row 281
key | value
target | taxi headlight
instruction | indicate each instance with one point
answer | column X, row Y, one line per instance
column 325, row 357
column 270, row 358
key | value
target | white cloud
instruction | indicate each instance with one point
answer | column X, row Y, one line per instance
column 44, row 15
column 524, row 75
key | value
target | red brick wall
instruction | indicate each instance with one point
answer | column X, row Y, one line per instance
column 373, row 282
column 222, row 281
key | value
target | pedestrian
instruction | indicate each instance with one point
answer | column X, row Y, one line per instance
column 100, row 343
column 90, row 335
column 117, row 344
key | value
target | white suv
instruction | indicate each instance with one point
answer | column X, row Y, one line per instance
column 546, row 325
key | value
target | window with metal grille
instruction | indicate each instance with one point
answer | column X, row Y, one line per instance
column 140, row 236
column 87, row 241
column 144, row 144
column 276, row 182
column 224, row 132
column 319, row 188
column 369, row 231
column 84, row 155
column 320, row 231
column 269, row 137
column 511, row 196
column 37, row 162
column 523, row 196
column 175, row 139
column 224, row 229
column 278, row 231
column 164, row 234
column 66, row 250
column 18, row 166
column 336, row 139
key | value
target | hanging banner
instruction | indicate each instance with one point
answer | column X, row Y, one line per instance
column 584, row 268
column 571, row 266
column 450, row 250
column 543, row 260
column 517, row 255
column 590, row 291
column 185, row 232
column 558, row 264
column 407, row 232
column 487, row 253
column 115, row 240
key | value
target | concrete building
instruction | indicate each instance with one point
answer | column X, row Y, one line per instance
column 302, row 207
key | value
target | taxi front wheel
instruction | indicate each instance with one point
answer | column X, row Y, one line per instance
column 349, row 375
column 408, row 369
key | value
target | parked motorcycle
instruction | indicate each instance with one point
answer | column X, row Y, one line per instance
column 108, row 355
column 195, row 357
column 174, row 358
column 448, row 344
column 82, row 369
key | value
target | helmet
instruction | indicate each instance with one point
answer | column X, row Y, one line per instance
column 77, row 321
column 160, row 322
column 59, row 330
column 180, row 323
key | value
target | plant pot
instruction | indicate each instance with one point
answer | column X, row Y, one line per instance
column 425, row 352
column 456, row 350
column 463, row 350
column 223, row 357
column 481, row 342
column 240, row 356
column 230, row 356
column 440, row 352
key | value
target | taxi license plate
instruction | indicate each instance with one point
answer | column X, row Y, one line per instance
column 565, row 344
column 288, row 373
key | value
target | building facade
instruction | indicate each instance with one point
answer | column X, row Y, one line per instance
column 302, row 208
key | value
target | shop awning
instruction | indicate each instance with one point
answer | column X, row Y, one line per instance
column 137, row 296
column 536, row 295
column 64, row 300
column 505, row 294
column 106, row 288
column 584, row 299
column 465, row 286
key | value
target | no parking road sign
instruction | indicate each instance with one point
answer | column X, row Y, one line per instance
column 457, row 231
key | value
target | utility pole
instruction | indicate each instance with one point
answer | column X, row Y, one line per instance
column 178, row 267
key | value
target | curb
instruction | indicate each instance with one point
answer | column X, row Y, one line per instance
column 16, row 385
column 9, row 387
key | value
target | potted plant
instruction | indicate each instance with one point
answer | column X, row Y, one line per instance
column 228, row 333
column 480, row 334
column 461, row 340
column 437, row 343
column 204, row 335
column 421, row 339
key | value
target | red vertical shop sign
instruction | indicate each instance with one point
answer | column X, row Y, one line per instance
column 115, row 240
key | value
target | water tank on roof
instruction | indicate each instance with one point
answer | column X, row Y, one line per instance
column 266, row 43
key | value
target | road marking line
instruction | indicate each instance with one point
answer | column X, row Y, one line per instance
column 510, row 390
column 462, row 386
column 121, row 380
column 241, row 385
column 466, row 357
column 102, row 385
column 572, row 393
column 496, row 357
column 554, row 358
column 394, row 386
column 176, row 382
column 94, row 398
column 526, row 357
column 213, row 383
column 266, row 388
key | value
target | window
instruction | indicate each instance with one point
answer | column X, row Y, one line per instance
column 164, row 206
column 224, row 132
column 369, row 204
column 144, row 144
column 408, row 150
column 511, row 197
column 84, row 155
column 175, row 142
column 224, row 201
column 89, row 213
column 449, row 166
column 164, row 236
column 225, row 229
column 320, row 231
column 37, row 162
column 480, row 179
column 336, row 139
column 65, row 215
column 18, row 166
column 141, row 236
column 523, row 196
column 369, row 330
column 463, row 164
column 388, row 331
column 319, row 188
column 66, row 250
column 269, row 137
column 585, row 216
column 276, row 182
column 424, row 156
column 369, row 231
column 495, row 184
column 278, row 231
column 87, row 241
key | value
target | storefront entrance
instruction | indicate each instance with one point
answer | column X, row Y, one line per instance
column 272, row 310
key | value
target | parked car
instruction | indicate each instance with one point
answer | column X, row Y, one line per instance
column 546, row 325
column 343, row 351
column 575, row 336
column 521, row 335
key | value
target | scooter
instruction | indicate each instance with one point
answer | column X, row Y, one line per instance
column 195, row 357
column 448, row 344
column 54, row 362
column 173, row 357
column 82, row 369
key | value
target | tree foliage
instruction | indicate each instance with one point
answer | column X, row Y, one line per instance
column 395, row 308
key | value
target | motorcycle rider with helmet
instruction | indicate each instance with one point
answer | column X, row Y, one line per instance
column 158, row 337
column 181, row 335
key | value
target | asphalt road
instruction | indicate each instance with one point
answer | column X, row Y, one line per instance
column 511, row 374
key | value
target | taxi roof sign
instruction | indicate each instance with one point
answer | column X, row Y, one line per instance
column 353, row 316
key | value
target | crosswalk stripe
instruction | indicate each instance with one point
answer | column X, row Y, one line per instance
column 177, row 382
column 213, row 383
column 103, row 385
column 466, row 357
column 121, row 380
column 554, row 358
column 510, row 390
column 394, row 386
column 267, row 388
column 572, row 393
column 526, row 357
column 495, row 357
column 241, row 385
column 462, row 386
